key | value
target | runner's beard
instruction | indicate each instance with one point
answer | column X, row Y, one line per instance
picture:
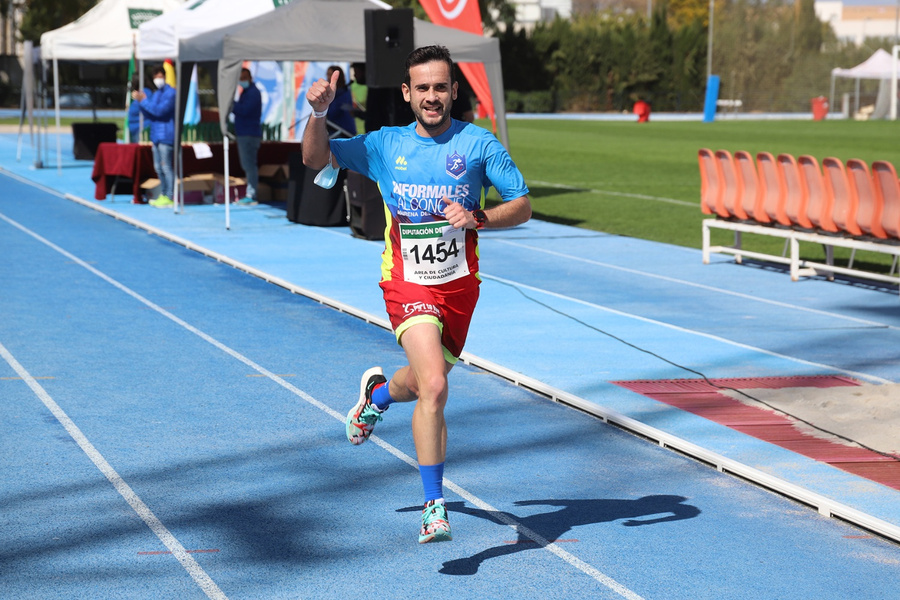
column 420, row 117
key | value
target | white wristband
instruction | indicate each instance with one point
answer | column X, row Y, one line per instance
column 318, row 114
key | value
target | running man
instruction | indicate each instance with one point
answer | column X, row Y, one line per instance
column 433, row 175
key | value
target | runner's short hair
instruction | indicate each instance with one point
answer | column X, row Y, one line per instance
column 426, row 54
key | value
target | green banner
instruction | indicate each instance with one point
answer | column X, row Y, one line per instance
column 141, row 15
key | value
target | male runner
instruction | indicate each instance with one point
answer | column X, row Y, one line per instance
column 433, row 175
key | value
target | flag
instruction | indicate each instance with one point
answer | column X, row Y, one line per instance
column 466, row 16
column 192, row 109
column 169, row 68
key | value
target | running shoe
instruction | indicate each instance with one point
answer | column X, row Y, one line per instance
column 362, row 418
column 435, row 526
column 162, row 202
column 247, row 201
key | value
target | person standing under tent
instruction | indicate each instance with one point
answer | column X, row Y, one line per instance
column 433, row 175
column 340, row 111
column 247, row 112
column 159, row 109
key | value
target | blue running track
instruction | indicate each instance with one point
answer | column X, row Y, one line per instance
column 172, row 426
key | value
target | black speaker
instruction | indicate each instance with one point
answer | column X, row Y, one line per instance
column 319, row 206
column 366, row 207
column 296, row 174
column 389, row 40
column 87, row 136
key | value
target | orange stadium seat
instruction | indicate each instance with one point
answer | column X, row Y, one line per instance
column 888, row 187
column 751, row 191
column 773, row 190
column 710, row 184
column 796, row 196
column 868, row 214
column 846, row 203
column 732, row 187
column 820, row 203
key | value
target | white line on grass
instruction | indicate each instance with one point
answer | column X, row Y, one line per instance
column 509, row 521
column 196, row 572
column 572, row 188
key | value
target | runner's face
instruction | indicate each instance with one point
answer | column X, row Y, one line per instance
column 430, row 95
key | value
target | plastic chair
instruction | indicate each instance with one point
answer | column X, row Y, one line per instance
column 796, row 197
column 871, row 205
column 888, row 187
column 773, row 190
column 751, row 191
column 820, row 203
column 732, row 186
column 837, row 185
column 710, row 184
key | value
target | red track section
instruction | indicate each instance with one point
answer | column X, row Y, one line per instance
column 705, row 398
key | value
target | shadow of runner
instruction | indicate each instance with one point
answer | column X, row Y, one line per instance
column 552, row 525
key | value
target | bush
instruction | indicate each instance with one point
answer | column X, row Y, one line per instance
column 538, row 102
column 514, row 101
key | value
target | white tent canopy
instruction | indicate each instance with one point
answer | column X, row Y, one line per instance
column 106, row 33
column 881, row 66
column 159, row 37
column 878, row 66
column 327, row 30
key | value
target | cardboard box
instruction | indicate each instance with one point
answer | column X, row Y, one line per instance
column 151, row 188
column 237, row 189
column 274, row 173
column 279, row 191
column 264, row 192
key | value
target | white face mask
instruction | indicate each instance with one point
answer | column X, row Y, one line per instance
column 159, row 82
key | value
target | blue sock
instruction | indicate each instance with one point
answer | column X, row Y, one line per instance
column 432, row 481
column 381, row 396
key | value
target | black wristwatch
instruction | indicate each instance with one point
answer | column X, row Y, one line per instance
column 480, row 218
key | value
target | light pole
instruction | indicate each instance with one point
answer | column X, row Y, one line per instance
column 709, row 44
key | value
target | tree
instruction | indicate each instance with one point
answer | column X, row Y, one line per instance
column 810, row 30
column 46, row 15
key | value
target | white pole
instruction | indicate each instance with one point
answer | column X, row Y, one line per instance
column 56, row 106
column 227, row 183
column 178, row 205
column 894, row 54
column 831, row 98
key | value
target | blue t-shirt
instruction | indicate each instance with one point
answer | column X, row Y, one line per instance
column 414, row 174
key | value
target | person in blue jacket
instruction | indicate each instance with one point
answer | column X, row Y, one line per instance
column 159, row 109
column 247, row 112
column 134, row 115
column 340, row 111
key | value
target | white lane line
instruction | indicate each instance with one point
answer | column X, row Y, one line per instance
column 701, row 286
column 569, row 558
column 196, row 572
column 562, row 186
column 709, row 336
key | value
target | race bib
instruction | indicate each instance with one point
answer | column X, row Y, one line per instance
column 432, row 253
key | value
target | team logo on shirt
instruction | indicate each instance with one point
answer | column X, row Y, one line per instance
column 400, row 163
column 456, row 165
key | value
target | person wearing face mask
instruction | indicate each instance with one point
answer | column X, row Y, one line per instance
column 158, row 109
column 247, row 112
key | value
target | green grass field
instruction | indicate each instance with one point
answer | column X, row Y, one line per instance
column 642, row 180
